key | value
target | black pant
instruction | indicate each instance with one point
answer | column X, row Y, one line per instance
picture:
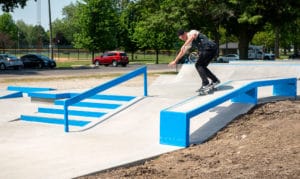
column 205, row 57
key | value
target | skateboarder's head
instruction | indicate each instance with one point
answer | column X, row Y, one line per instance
column 181, row 34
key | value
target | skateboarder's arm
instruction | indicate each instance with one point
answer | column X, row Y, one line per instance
column 184, row 48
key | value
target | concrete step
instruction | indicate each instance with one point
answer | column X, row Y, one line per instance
column 79, row 108
column 71, row 112
column 91, row 104
column 53, row 120
column 113, row 97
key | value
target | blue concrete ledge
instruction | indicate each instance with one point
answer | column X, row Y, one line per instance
column 24, row 89
column 58, row 121
column 113, row 97
column 90, row 104
column 175, row 125
column 71, row 112
column 108, row 97
column 45, row 95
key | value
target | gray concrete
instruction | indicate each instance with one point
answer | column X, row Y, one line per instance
column 33, row 150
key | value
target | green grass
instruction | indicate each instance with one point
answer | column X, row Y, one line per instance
column 138, row 59
column 68, row 64
column 151, row 58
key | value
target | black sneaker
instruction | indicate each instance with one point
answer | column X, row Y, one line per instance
column 215, row 83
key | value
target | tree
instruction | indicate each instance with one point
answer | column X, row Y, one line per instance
column 295, row 37
column 250, row 17
column 97, row 24
column 23, row 30
column 265, row 37
column 9, row 5
column 40, row 37
column 155, row 28
column 244, row 21
column 127, row 21
column 66, row 27
column 281, row 14
column 8, row 31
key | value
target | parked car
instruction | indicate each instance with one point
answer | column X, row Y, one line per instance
column 10, row 61
column 269, row 56
column 227, row 58
column 37, row 61
column 113, row 58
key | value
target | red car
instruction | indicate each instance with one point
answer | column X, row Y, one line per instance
column 112, row 57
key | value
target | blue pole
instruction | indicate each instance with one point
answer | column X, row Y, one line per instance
column 66, row 118
column 145, row 83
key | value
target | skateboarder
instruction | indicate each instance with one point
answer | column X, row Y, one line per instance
column 207, row 50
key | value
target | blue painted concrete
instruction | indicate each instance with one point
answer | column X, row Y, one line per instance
column 76, row 100
column 27, row 89
column 12, row 95
column 71, row 112
column 113, row 97
column 49, row 95
column 108, row 97
column 174, row 126
column 90, row 104
column 78, row 123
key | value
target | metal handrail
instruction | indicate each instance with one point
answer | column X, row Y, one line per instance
column 102, row 87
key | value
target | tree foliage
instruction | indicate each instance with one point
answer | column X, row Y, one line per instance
column 30, row 36
column 8, row 31
column 98, row 25
column 65, row 28
column 10, row 5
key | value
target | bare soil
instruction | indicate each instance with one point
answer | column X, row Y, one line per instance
column 264, row 143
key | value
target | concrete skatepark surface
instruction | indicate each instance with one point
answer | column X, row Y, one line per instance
column 45, row 151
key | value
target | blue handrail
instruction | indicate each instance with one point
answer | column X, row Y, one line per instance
column 102, row 87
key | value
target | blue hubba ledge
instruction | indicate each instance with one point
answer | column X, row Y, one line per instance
column 175, row 126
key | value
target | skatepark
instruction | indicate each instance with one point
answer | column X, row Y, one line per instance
column 38, row 150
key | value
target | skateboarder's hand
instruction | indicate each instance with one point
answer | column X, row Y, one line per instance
column 172, row 63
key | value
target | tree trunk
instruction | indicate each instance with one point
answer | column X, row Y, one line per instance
column 245, row 34
column 277, row 42
column 157, row 52
column 243, row 44
column 217, row 38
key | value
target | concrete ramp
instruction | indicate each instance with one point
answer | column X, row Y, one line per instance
column 248, row 70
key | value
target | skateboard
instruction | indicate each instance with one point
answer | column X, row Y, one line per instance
column 210, row 90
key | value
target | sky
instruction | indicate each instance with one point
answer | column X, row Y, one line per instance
column 29, row 14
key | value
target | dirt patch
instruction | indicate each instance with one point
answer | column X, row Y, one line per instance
column 264, row 143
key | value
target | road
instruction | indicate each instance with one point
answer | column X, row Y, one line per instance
column 80, row 71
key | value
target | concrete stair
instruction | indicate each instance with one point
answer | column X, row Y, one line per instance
column 81, row 114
